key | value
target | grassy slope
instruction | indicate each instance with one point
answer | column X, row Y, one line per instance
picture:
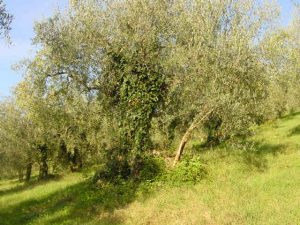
column 243, row 187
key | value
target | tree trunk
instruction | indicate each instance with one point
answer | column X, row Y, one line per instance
column 20, row 175
column 75, row 161
column 188, row 134
column 43, row 173
column 28, row 172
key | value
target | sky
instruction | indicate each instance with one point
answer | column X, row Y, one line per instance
column 25, row 14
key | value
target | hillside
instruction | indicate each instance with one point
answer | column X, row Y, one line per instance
column 254, row 185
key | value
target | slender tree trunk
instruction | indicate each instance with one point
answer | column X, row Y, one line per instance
column 28, row 172
column 21, row 175
column 75, row 161
column 186, row 137
column 43, row 173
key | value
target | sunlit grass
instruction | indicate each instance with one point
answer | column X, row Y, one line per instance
column 235, row 192
column 36, row 191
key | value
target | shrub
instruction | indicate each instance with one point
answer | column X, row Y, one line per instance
column 189, row 170
column 152, row 167
column 146, row 169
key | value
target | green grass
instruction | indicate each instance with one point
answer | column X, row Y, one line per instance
column 254, row 185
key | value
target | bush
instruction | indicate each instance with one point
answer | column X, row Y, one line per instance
column 152, row 168
column 189, row 170
column 145, row 169
column 116, row 168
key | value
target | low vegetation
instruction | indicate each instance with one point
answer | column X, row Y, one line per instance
column 257, row 185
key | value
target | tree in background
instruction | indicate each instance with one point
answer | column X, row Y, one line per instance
column 281, row 52
column 16, row 141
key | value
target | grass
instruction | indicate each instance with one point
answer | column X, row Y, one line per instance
column 254, row 185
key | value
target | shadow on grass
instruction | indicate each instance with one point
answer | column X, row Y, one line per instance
column 290, row 115
column 204, row 147
column 294, row 131
column 255, row 153
column 81, row 203
column 252, row 153
column 198, row 147
column 34, row 182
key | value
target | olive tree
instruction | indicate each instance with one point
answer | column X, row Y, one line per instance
column 100, row 50
column 15, row 144
column 282, row 60
column 218, row 80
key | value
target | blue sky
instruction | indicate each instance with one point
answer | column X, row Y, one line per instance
column 25, row 13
